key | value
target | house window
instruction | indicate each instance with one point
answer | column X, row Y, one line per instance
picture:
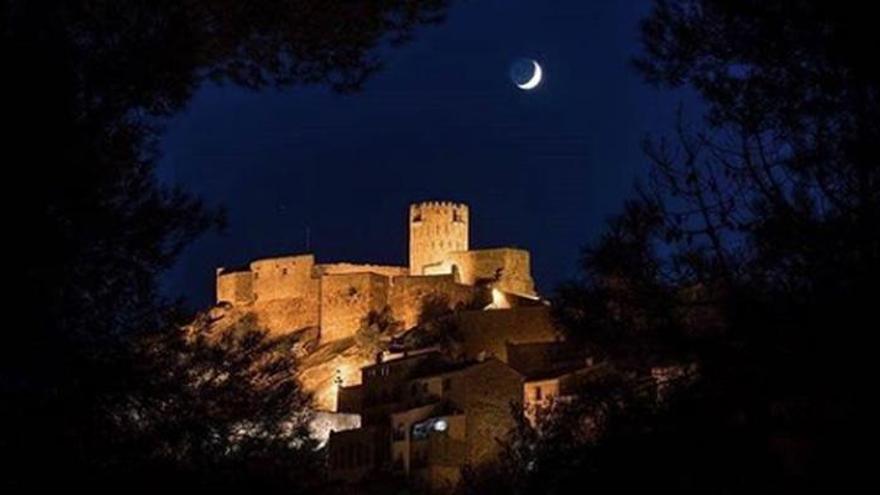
column 284, row 271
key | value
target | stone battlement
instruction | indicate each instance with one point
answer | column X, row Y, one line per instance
column 296, row 292
column 437, row 205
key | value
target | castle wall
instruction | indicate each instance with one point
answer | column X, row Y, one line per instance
column 513, row 266
column 282, row 316
column 346, row 299
column 408, row 295
column 490, row 331
column 287, row 277
column 235, row 287
column 347, row 268
column 436, row 228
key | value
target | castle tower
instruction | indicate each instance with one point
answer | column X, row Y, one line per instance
column 436, row 228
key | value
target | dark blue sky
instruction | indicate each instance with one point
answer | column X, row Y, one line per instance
column 541, row 170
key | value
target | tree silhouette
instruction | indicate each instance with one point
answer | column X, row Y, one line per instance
column 785, row 162
column 752, row 252
column 86, row 87
column 215, row 409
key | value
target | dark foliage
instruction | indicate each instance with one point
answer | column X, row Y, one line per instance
column 86, row 86
column 214, row 409
column 626, row 298
column 752, row 254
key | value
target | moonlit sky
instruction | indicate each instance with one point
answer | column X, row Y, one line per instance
column 541, row 169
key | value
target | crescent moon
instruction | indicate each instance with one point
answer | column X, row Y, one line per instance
column 535, row 80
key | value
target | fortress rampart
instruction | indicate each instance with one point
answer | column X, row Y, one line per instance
column 283, row 278
column 235, row 287
column 346, row 299
column 290, row 293
column 409, row 294
column 508, row 269
column 346, row 268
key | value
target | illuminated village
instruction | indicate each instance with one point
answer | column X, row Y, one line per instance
column 414, row 370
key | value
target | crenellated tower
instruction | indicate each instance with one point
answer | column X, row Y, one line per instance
column 436, row 228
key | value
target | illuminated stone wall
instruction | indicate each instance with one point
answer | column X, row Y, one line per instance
column 330, row 365
column 347, row 268
column 282, row 316
column 234, row 287
column 346, row 299
column 436, row 228
column 511, row 267
column 284, row 278
column 489, row 332
column 408, row 295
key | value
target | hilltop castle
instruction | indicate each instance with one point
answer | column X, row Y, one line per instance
column 437, row 393
column 294, row 292
column 419, row 410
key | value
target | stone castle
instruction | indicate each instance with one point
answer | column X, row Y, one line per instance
column 290, row 293
column 423, row 408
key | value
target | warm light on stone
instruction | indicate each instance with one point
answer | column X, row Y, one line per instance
column 325, row 303
column 499, row 300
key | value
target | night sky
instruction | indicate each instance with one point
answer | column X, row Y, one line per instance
column 541, row 170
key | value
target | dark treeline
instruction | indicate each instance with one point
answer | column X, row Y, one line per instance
column 100, row 389
column 750, row 257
